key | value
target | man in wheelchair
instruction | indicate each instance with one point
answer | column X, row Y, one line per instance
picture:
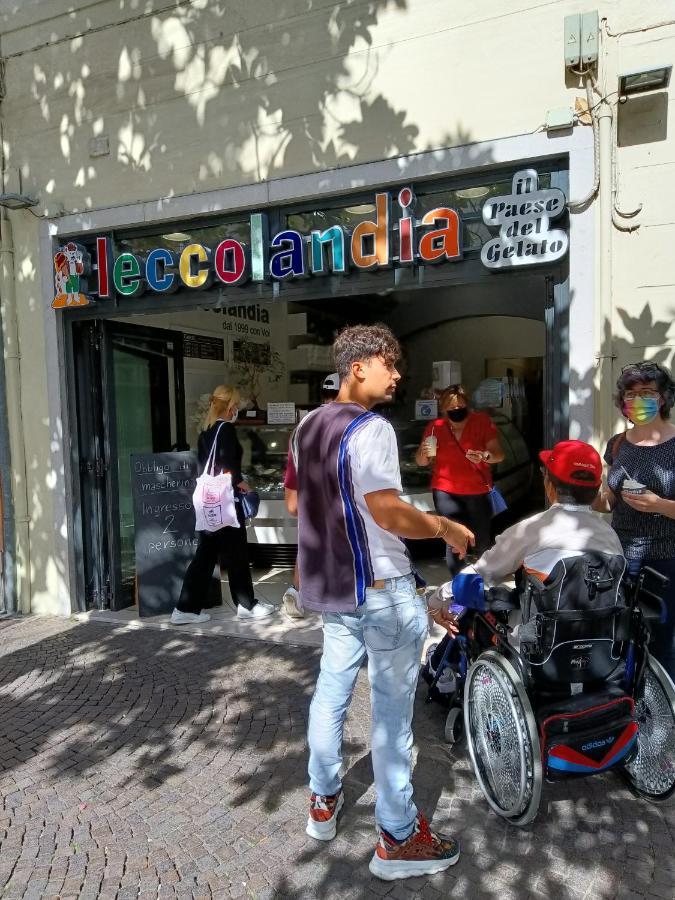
column 567, row 687
column 551, row 551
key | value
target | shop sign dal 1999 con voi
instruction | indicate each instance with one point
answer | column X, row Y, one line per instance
column 434, row 238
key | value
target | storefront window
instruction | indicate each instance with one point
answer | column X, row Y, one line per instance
column 184, row 234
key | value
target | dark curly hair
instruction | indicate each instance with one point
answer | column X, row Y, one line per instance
column 359, row 343
column 643, row 373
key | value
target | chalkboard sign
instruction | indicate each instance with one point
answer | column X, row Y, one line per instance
column 162, row 485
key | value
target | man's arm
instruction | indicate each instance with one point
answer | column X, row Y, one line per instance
column 291, row 500
column 403, row 520
column 506, row 556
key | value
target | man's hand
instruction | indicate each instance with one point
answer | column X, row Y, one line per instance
column 459, row 538
column 244, row 486
column 445, row 619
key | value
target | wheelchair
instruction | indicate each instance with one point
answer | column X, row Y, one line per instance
column 580, row 693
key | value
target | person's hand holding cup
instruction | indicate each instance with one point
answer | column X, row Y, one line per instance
column 430, row 445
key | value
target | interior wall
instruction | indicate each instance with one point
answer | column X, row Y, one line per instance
column 471, row 341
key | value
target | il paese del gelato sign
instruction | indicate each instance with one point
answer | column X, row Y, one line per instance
column 394, row 237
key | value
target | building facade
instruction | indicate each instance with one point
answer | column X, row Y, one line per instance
column 219, row 187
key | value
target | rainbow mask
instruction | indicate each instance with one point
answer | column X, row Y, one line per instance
column 642, row 410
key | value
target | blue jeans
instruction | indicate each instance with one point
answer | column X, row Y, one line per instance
column 390, row 628
column 662, row 641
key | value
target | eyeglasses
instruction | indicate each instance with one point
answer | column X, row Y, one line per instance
column 643, row 394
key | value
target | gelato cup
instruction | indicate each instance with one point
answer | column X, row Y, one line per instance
column 630, row 486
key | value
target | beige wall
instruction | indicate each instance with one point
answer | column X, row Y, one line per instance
column 211, row 94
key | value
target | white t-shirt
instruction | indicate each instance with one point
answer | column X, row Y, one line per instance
column 373, row 455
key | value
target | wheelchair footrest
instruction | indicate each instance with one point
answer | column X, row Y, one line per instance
column 587, row 734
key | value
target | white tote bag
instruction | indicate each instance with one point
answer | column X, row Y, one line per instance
column 213, row 497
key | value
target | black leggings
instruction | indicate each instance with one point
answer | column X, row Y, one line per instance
column 472, row 510
column 230, row 547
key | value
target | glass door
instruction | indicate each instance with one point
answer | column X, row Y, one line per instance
column 145, row 385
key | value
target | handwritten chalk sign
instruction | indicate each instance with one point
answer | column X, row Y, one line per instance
column 162, row 485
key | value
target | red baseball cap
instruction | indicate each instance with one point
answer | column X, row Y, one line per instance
column 572, row 462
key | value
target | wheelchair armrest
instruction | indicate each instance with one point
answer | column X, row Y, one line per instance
column 502, row 599
column 652, row 606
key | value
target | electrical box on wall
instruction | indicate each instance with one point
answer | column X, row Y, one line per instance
column 582, row 36
column 572, row 41
column 590, row 37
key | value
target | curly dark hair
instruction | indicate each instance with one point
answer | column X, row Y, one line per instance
column 643, row 373
column 359, row 343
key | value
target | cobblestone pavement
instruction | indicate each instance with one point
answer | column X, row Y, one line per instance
column 141, row 763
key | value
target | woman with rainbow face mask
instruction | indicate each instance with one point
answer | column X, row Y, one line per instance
column 641, row 485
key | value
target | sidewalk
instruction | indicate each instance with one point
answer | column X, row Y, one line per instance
column 156, row 763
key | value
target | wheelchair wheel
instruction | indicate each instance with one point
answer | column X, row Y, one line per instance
column 454, row 726
column 651, row 773
column 503, row 741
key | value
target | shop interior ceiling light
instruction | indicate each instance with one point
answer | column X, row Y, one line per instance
column 473, row 193
column 178, row 237
column 360, row 210
column 17, row 201
column 640, row 82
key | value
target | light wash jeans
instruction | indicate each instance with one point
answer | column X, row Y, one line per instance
column 390, row 627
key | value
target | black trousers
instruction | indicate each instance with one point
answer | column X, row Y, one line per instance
column 472, row 510
column 229, row 546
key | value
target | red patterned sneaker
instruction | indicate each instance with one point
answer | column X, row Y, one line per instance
column 323, row 813
column 423, row 853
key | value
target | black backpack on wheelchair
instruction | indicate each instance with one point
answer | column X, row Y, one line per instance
column 579, row 696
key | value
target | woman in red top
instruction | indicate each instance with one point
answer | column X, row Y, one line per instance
column 466, row 444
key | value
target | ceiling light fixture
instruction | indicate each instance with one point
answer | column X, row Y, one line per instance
column 361, row 209
column 473, row 193
column 644, row 80
column 177, row 237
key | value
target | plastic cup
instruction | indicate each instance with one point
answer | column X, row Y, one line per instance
column 430, row 445
column 630, row 486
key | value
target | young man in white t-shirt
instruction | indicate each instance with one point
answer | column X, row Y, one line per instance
column 355, row 569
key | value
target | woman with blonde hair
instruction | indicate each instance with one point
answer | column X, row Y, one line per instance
column 460, row 446
column 228, row 545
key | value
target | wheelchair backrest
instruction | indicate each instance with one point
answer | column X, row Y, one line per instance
column 576, row 621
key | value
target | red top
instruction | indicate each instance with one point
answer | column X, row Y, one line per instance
column 452, row 472
column 290, row 476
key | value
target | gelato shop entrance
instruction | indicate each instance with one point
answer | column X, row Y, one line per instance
column 155, row 321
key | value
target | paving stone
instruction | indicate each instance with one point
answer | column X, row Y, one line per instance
column 159, row 764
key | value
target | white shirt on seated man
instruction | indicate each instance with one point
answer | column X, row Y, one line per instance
column 572, row 476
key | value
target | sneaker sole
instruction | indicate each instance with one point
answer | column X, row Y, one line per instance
column 325, row 831
column 256, row 618
column 391, row 871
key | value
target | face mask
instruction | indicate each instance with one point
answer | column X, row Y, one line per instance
column 642, row 410
column 457, row 415
column 235, row 416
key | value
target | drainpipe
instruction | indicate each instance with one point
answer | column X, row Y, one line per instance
column 604, row 415
column 12, row 445
column 7, row 533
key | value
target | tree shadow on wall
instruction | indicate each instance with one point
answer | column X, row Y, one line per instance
column 645, row 338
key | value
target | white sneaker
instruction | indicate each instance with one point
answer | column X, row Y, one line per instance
column 292, row 607
column 260, row 611
column 185, row 618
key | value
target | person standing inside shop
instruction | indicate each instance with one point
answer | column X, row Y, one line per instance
column 641, row 486
column 228, row 545
column 355, row 570
column 460, row 446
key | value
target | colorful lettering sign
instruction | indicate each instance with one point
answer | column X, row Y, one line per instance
column 391, row 237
